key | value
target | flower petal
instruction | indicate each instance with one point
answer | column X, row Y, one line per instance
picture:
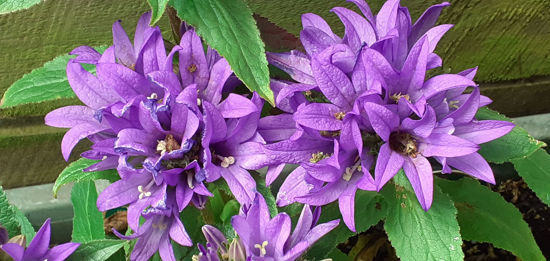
column 88, row 88
column 346, row 203
column 70, row 116
column 357, row 29
column 426, row 21
column 480, row 132
column 192, row 61
column 445, row 145
column 382, row 120
column 77, row 133
column 61, row 252
column 319, row 116
column 38, row 247
column 296, row 64
column 236, row 106
column 124, row 51
column 419, row 173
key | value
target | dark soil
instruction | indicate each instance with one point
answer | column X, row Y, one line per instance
column 373, row 245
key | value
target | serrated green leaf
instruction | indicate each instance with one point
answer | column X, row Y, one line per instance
column 417, row 234
column 8, row 6
column 157, row 7
column 535, row 170
column 74, row 173
column 46, row 83
column 87, row 221
column 13, row 219
column 228, row 26
column 97, row 250
column 370, row 208
column 26, row 227
column 485, row 216
column 230, row 209
column 516, row 144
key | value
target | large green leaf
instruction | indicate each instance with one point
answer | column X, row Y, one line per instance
column 97, row 250
column 8, row 6
column 228, row 26
column 535, row 170
column 486, row 217
column 74, row 173
column 417, row 234
column 46, row 83
column 516, row 144
column 157, row 7
column 13, row 219
column 87, row 221
column 370, row 208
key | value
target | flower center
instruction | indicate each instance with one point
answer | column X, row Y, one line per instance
column 330, row 134
column 403, row 143
column 192, row 68
column 160, row 225
column 145, row 191
column 169, row 144
column 316, row 157
column 397, row 96
column 262, row 248
column 339, row 115
column 453, row 104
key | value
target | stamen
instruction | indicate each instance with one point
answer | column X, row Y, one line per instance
column 397, row 96
column 227, row 161
column 453, row 104
column 262, row 248
column 199, row 101
column 347, row 174
column 161, row 146
column 339, row 115
column 316, row 157
column 192, row 68
column 190, row 181
column 153, row 96
column 143, row 193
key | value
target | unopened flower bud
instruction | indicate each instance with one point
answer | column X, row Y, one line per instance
column 215, row 237
column 19, row 239
column 236, row 250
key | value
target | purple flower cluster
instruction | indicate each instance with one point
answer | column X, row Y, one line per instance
column 167, row 131
column 362, row 105
column 263, row 238
column 38, row 249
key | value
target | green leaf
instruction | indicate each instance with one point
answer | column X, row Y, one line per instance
column 370, row 208
column 97, row 250
column 158, row 7
column 485, row 216
column 417, row 234
column 268, row 196
column 516, row 144
column 8, row 6
column 26, row 227
column 87, row 221
column 230, row 209
column 193, row 222
column 228, row 26
column 535, row 170
column 46, row 83
column 74, row 173
column 14, row 220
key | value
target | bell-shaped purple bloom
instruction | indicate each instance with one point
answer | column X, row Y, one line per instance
column 39, row 249
column 266, row 238
column 162, row 223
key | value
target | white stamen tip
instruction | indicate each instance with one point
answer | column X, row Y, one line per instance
column 161, row 146
column 199, row 101
column 153, row 96
column 227, row 161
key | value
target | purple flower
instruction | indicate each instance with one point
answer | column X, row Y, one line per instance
column 365, row 99
column 266, row 238
column 162, row 223
column 38, row 249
